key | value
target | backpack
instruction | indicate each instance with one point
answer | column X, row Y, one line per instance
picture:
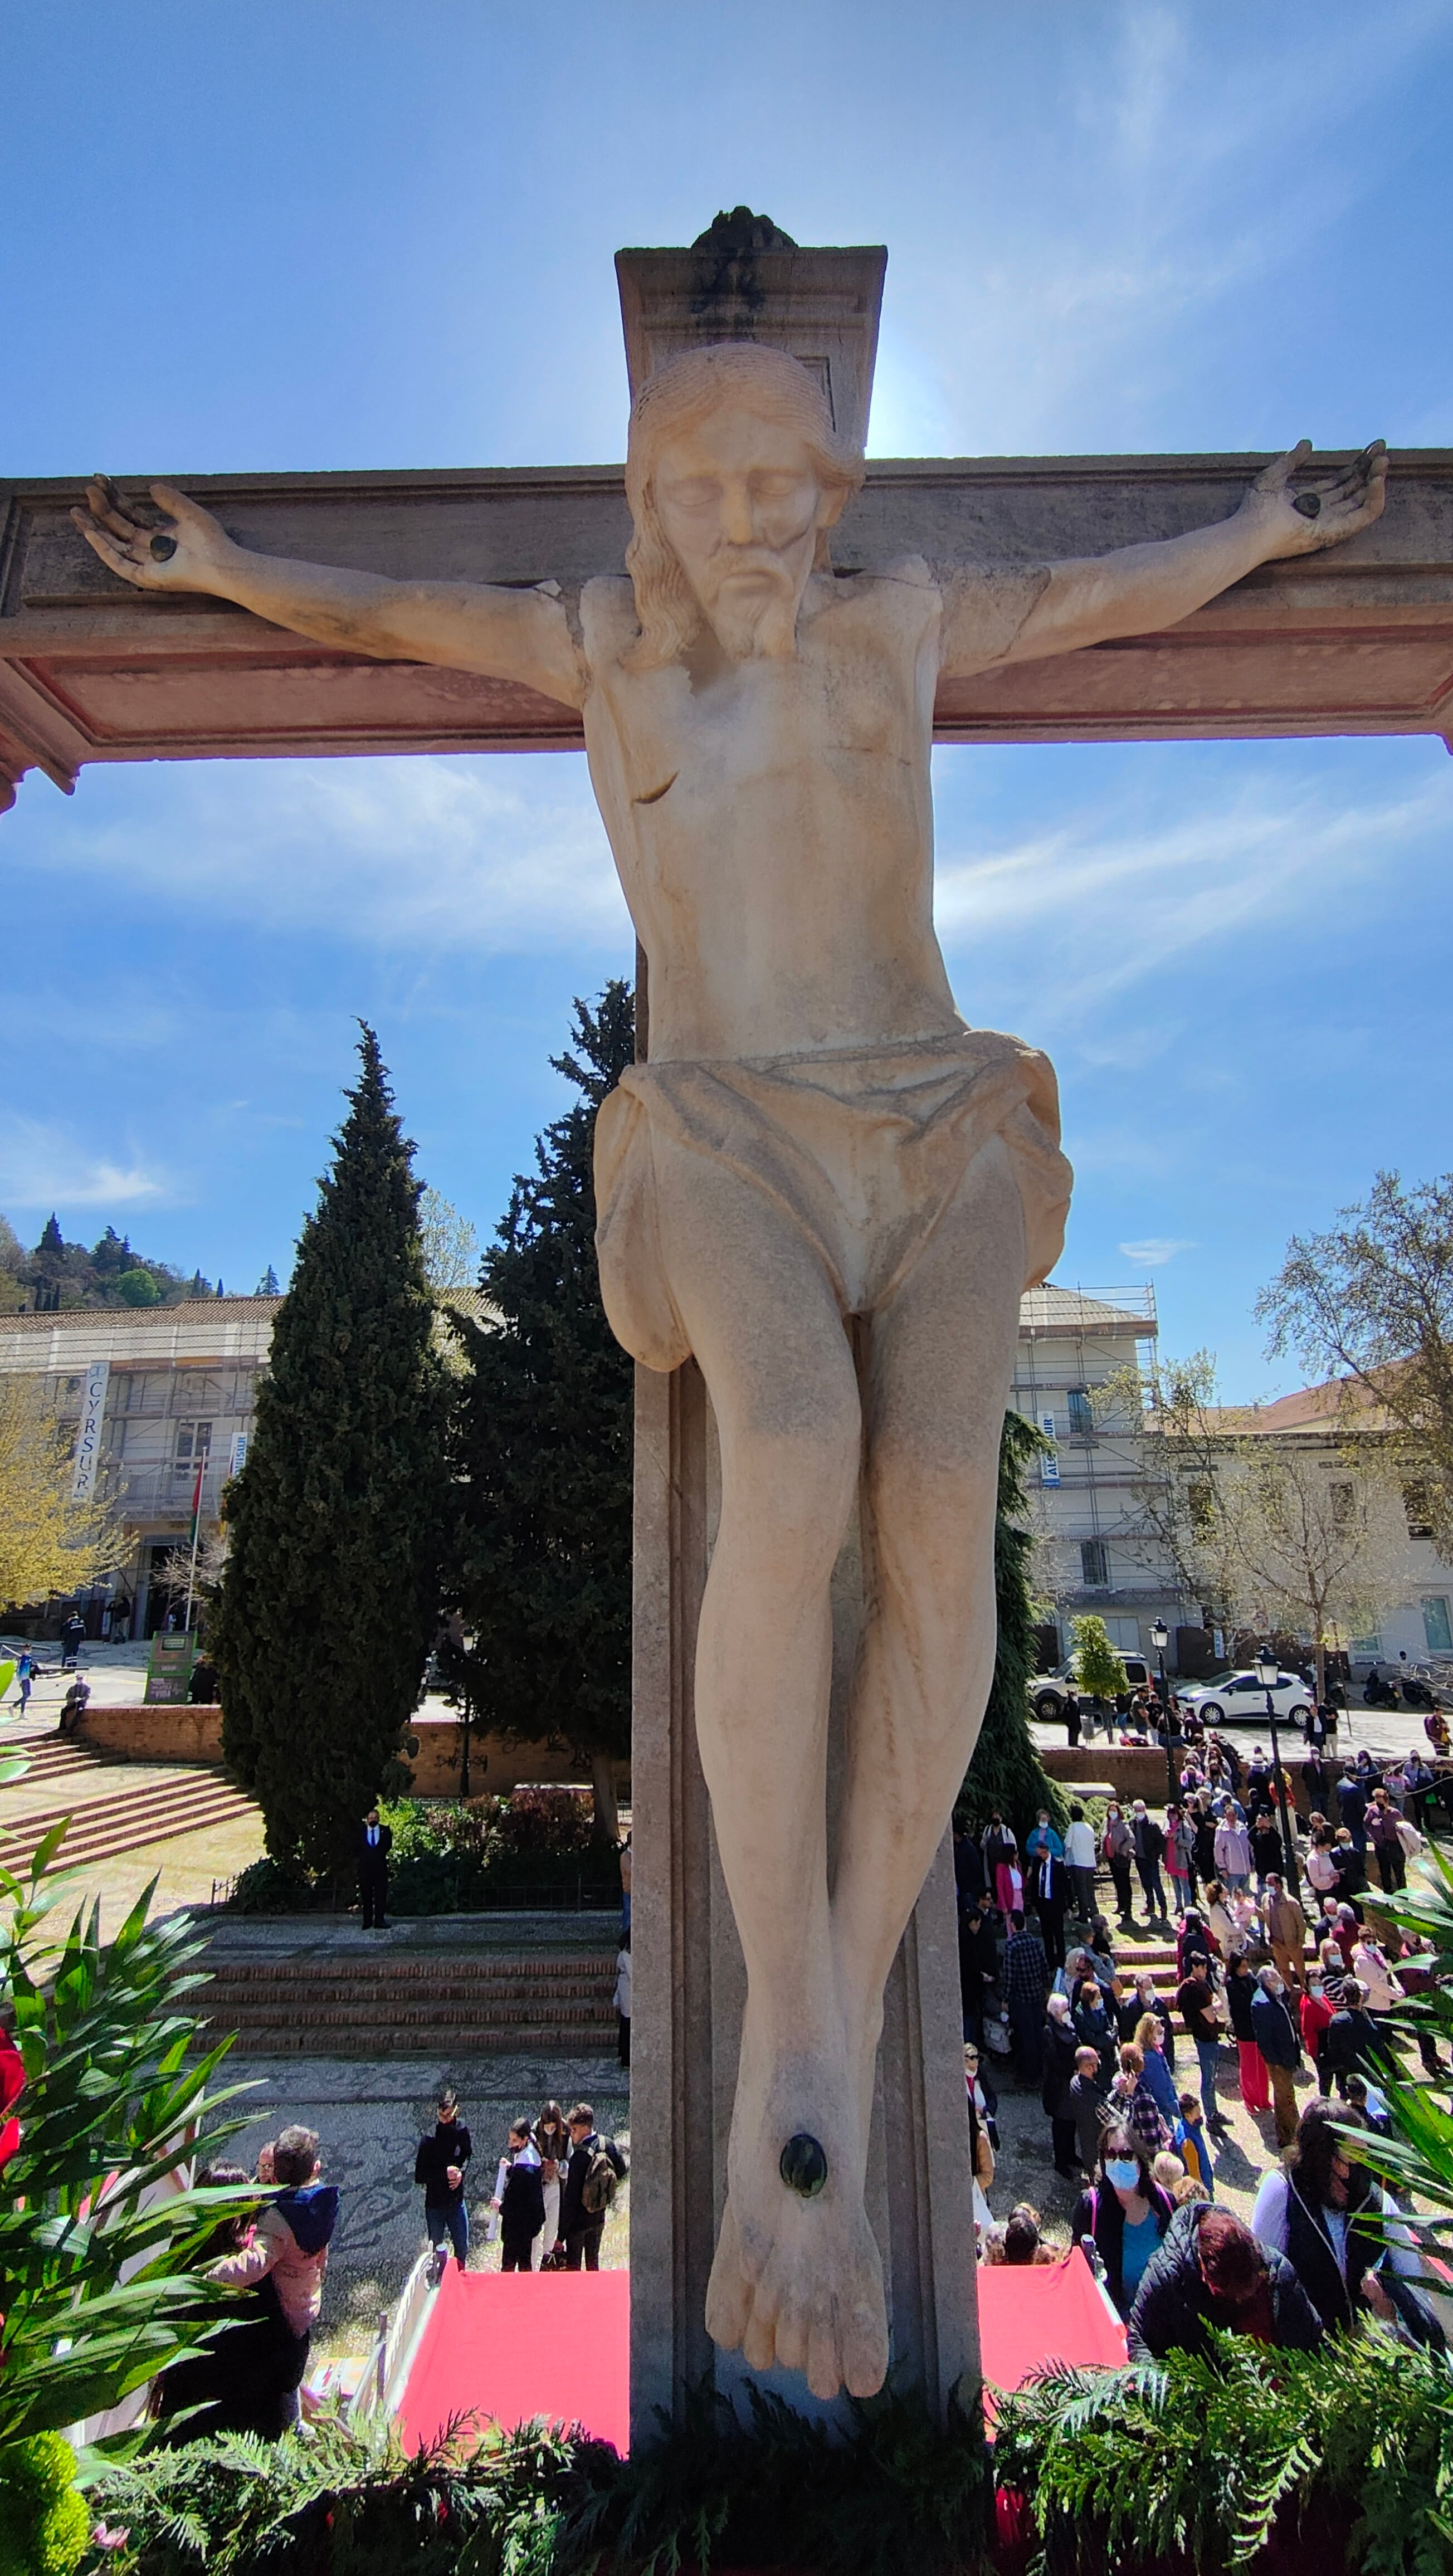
column 599, row 2187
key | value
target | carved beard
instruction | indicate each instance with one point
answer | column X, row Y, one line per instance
column 767, row 630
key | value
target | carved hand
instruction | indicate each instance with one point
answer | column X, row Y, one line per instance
column 1347, row 499
column 181, row 547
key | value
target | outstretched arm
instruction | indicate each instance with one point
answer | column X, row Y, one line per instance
column 519, row 635
column 1139, row 589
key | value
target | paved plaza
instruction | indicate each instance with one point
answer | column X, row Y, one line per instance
column 369, row 2119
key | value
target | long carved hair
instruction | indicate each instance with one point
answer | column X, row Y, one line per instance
column 673, row 400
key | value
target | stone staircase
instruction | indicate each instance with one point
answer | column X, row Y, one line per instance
column 49, row 1758
column 114, row 1828
column 352, row 2003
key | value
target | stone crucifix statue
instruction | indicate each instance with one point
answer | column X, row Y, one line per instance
column 822, row 1184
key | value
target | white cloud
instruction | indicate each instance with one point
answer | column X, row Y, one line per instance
column 1155, row 1250
column 1104, row 910
column 45, row 1167
column 488, row 853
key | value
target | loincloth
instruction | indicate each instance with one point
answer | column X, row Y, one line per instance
column 863, row 1151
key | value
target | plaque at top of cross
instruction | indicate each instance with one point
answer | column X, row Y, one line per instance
column 817, row 1143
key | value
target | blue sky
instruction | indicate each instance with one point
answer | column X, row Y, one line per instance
column 330, row 234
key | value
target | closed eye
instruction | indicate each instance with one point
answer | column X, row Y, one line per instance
column 657, row 793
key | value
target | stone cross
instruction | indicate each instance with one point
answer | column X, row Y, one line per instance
column 1361, row 640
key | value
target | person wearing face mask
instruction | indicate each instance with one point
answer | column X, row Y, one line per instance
column 1314, row 2012
column 1337, row 2228
column 1124, row 2214
column 1095, row 2023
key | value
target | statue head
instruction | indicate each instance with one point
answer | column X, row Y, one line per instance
column 734, row 475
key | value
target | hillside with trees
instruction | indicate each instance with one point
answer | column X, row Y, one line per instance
column 55, row 1277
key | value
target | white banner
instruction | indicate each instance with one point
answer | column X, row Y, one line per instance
column 1048, row 1460
column 88, row 1445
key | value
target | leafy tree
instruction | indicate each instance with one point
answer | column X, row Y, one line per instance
column 267, row 1285
column 137, row 1288
column 1098, row 1669
column 1006, row 1771
column 51, row 1247
column 1371, row 1301
column 330, row 1595
column 451, row 1246
column 112, row 1254
column 47, row 1542
column 1253, row 1523
column 544, row 1449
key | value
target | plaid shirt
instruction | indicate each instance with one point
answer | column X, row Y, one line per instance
column 1026, row 1969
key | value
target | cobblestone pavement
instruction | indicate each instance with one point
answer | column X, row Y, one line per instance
column 369, row 2119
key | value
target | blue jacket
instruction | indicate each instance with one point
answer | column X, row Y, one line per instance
column 1161, row 2084
column 1041, row 1839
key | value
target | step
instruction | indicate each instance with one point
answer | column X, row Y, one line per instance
column 581, row 1977
column 287, row 2040
column 138, row 1819
column 144, row 1803
column 103, row 1829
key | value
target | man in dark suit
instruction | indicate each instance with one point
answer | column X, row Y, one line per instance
column 375, row 1841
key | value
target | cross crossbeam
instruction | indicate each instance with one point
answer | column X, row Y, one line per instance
column 1358, row 641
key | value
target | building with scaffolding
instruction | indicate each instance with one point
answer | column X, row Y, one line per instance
column 1092, row 1551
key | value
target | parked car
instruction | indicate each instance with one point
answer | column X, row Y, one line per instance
column 1231, row 1699
column 1049, row 1691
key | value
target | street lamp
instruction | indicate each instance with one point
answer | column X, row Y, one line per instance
column 1268, row 1672
column 1160, row 1639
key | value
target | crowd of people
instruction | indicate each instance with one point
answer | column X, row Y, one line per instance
column 1268, row 1987
column 554, row 2185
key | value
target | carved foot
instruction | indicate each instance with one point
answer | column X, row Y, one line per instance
column 797, row 2277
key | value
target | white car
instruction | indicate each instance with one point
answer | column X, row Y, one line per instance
column 1234, row 1699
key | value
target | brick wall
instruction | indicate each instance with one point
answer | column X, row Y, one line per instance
column 186, row 1734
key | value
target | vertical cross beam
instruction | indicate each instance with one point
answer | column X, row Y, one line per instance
column 688, row 1974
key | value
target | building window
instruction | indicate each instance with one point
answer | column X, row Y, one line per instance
column 1094, row 1564
column 1342, row 1505
column 1371, row 1645
column 1082, row 1414
column 1415, row 1504
column 1201, row 1505
column 194, row 1444
column 1437, row 1633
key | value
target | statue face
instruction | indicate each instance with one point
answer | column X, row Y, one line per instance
column 740, row 504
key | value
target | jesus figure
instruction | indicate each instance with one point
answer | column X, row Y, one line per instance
column 822, row 1184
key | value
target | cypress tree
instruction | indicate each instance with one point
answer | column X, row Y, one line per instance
column 1005, row 1771
column 330, row 1597
column 544, row 1449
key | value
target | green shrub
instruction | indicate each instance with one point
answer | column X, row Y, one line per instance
column 100, row 2282
column 778, row 2492
column 270, row 1886
column 548, row 1819
column 1353, row 2443
column 44, row 2525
